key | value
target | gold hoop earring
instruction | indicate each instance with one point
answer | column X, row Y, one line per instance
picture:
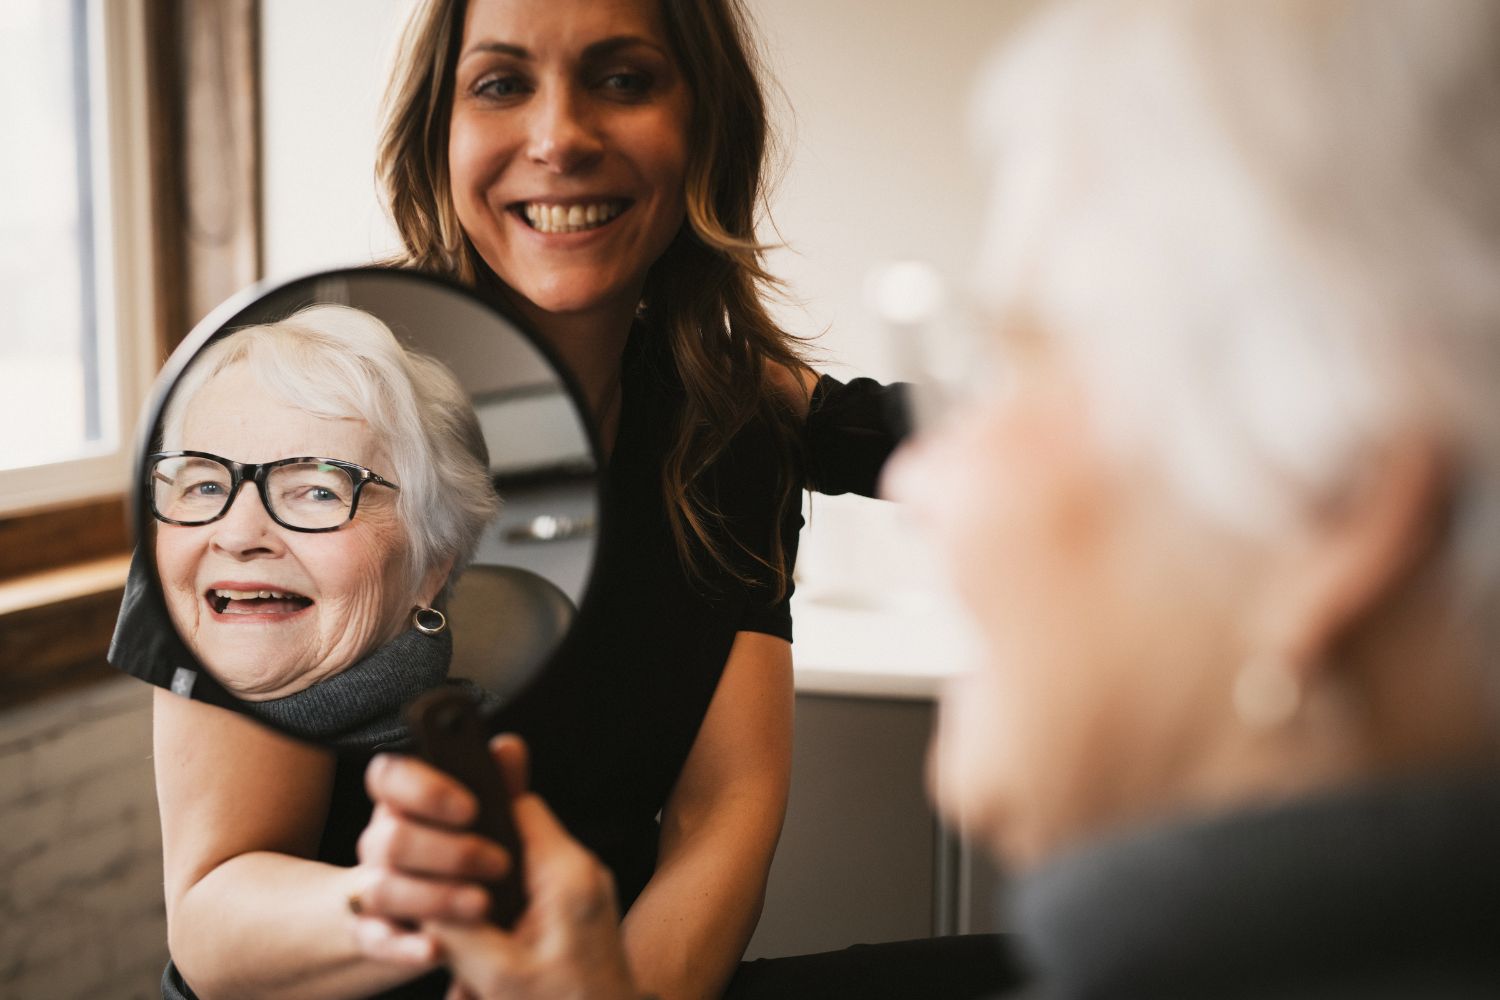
column 1267, row 692
column 429, row 621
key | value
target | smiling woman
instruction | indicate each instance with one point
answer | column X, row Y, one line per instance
column 283, row 573
column 277, row 587
column 510, row 119
column 594, row 167
column 327, row 597
column 568, row 163
column 597, row 167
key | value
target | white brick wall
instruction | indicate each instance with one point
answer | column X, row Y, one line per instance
column 81, row 912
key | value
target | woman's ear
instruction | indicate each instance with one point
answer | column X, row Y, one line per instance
column 1356, row 554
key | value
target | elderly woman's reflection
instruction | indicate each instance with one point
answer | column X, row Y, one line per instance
column 318, row 488
column 282, row 574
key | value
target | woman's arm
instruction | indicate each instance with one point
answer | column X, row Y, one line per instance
column 248, row 914
column 686, row 932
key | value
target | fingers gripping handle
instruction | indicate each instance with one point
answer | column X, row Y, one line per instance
column 449, row 736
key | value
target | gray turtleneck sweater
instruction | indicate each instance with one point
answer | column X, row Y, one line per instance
column 1382, row 892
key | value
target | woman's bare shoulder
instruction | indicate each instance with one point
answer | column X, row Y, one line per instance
column 794, row 388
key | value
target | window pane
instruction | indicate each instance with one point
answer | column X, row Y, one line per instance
column 51, row 393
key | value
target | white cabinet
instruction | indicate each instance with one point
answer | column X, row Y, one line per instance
column 862, row 858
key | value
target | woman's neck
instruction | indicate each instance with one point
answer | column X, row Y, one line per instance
column 590, row 344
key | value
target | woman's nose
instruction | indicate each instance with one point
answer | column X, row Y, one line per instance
column 246, row 529
column 563, row 138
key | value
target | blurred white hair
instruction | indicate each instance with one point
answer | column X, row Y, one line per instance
column 340, row 362
column 1270, row 232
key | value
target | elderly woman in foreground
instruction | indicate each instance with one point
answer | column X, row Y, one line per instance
column 1226, row 515
column 318, row 489
column 1230, row 531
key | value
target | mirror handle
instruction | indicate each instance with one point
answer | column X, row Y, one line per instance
column 449, row 735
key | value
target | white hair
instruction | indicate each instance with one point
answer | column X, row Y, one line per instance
column 340, row 362
column 1270, row 232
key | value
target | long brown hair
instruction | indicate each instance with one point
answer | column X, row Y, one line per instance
column 706, row 294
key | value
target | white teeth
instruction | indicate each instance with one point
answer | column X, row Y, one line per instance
column 245, row 595
column 569, row 218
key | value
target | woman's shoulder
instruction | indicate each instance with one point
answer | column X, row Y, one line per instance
column 791, row 388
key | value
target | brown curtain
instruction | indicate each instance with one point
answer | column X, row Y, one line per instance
column 206, row 140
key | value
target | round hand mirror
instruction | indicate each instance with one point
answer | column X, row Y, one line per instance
column 351, row 488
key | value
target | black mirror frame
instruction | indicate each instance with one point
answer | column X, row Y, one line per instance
column 171, row 665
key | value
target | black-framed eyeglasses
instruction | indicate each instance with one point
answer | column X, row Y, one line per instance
column 303, row 494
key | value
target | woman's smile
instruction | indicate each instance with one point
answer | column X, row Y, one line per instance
column 268, row 610
column 235, row 602
column 563, row 217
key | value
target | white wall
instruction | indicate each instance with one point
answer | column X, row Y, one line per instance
column 878, row 169
column 324, row 68
column 879, row 157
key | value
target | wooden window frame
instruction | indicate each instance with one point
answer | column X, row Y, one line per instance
column 196, row 90
column 115, row 140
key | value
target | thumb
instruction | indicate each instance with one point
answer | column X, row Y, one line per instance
column 514, row 761
column 458, row 991
column 561, row 872
column 542, row 834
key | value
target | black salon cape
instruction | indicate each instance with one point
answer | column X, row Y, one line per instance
column 611, row 721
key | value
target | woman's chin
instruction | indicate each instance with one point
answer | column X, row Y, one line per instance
column 576, row 292
column 257, row 680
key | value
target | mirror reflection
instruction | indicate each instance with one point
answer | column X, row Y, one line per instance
column 339, row 519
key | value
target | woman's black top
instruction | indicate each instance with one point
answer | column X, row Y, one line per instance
column 611, row 721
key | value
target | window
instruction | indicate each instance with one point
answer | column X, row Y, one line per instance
column 76, row 330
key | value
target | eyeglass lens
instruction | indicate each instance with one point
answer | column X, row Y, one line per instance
column 196, row 490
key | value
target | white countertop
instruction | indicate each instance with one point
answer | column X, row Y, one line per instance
column 900, row 649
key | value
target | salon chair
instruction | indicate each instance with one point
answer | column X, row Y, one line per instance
column 505, row 621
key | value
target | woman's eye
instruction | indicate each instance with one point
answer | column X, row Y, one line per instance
column 629, row 83
column 500, row 87
column 206, row 489
column 315, row 495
